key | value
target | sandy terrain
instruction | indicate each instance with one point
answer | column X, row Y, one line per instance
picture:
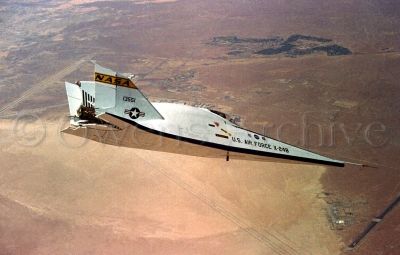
column 73, row 3
column 140, row 201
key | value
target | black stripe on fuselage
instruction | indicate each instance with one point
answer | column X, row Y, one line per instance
column 229, row 148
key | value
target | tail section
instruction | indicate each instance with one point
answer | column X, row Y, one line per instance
column 129, row 102
column 110, row 92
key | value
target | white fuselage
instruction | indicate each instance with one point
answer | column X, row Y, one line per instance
column 116, row 100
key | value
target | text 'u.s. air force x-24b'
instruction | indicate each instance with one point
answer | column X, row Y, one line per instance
column 112, row 110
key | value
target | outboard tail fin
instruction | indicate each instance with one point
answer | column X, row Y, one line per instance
column 74, row 95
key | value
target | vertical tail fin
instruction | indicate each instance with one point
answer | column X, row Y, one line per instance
column 74, row 94
column 117, row 93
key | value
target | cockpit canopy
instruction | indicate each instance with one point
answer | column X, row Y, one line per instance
column 233, row 120
column 223, row 115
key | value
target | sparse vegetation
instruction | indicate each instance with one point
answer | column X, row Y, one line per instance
column 294, row 45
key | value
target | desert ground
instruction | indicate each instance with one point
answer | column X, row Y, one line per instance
column 320, row 75
column 67, row 200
